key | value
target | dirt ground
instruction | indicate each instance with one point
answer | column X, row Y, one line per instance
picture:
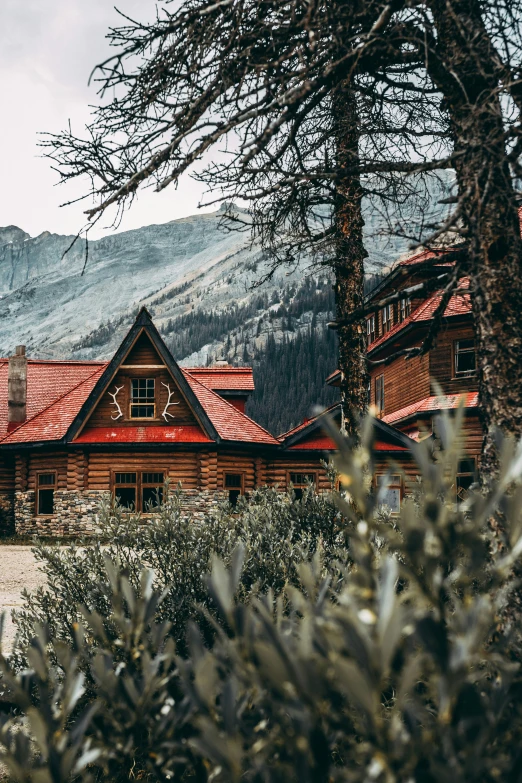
column 18, row 569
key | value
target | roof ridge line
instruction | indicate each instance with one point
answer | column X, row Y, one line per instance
column 35, row 415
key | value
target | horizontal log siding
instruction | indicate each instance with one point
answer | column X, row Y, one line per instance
column 38, row 463
column 277, row 471
column 442, row 362
column 230, row 463
column 405, row 382
column 179, row 466
column 7, row 473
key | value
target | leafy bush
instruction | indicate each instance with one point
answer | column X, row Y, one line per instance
column 398, row 664
column 276, row 531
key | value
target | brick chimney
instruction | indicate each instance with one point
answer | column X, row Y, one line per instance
column 17, row 388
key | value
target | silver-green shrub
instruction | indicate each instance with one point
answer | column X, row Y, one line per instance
column 397, row 662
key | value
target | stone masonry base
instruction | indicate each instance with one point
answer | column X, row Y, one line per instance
column 76, row 513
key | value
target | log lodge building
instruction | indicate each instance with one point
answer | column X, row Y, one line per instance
column 73, row 431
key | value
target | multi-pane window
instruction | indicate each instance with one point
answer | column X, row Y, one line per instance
column 404, row 307
column 389, row 489
column 466, row 476
column 136, row 491
column 465, row 358
column 370, row 329
column 300, row 481
column 142, row 398
column 46, row 484
column 379, row 393
column 234, row 486
column 387, row 318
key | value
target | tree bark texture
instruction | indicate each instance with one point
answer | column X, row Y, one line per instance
column 468, row 74
column 349, row 261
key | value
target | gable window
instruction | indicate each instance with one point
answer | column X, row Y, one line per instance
column 387, row 318
column 136, row 491
column 390, row 489
column 466, row 476
column 405, row 307
column 142, row 404
column 300, row 481
column 234, row 485
column 46, row 484
column 465, row 359
column 379, row 393
column 370, row 329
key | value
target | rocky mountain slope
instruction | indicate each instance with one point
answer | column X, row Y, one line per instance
column 197, row 280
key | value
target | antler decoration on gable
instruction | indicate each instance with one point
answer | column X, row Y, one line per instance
column 118, row 411
column 169, row 403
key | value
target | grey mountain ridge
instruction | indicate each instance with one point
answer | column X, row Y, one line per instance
column 186, row 265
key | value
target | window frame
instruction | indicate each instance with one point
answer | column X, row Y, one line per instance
column 370, row 329
column 404, row 308
column 391, row 485
column 465, row 473
column 142, row 404
column 301, row 486
column 241, row 488
column 54, row 487
column 379, row 399
column 139, row 484
column 387, row 318
column 464, row 373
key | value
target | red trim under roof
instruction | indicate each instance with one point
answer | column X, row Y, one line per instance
column 158, row 434
column 324, row 443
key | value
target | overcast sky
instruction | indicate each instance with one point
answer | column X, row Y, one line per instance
column 47, row 50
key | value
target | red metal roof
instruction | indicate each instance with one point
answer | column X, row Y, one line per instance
column 432, row 404
column 170, row 434
column 459, row 304
column 53, row 421
column 224, row 378
column 47, row 381
column 56, row 391
column 305, row 423
column 424, row 255
column 230, row 423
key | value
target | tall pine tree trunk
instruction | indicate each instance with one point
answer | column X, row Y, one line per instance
column 468, row 74
column 349, row 261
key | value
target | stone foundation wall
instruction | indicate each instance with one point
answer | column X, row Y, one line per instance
column 7, row 521
column 77, row 512
column 197, row 503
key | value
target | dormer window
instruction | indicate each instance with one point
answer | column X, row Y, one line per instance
column 142, row 404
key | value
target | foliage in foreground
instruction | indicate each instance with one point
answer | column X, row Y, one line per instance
column 397, row 664
column 277, row 534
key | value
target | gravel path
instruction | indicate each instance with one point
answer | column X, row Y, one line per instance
column 18, row 569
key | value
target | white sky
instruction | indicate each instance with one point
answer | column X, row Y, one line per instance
column 47, row 51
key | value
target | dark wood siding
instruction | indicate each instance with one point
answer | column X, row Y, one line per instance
column 102, row 415
column 405, row 382
column 442, row 362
